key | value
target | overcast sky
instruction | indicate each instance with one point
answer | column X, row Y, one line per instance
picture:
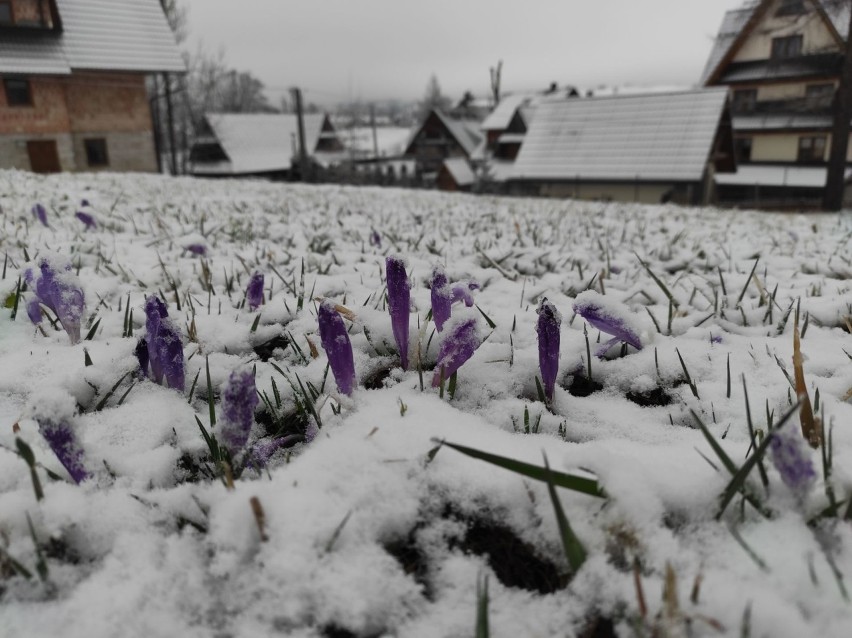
column 374, row 49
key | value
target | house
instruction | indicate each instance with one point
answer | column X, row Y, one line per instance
column 261, row 144
column 647, row 148
column 74, row 96
column 455, row 175
column 782, row 61
column 439, row 137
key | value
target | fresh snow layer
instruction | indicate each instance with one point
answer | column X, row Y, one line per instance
column 358, row 526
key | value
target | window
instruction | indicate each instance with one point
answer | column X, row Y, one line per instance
column 786, row 47
column 745, row 100
column 742, row 147
column 96, row 152
column 812, row 148
column 6, row 12
column 791, row 8
column 819, row 95
column 17, row 92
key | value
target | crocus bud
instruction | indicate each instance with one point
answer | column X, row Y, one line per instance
column 549, row 322
column 608, row 316
column 459, row 344
column 444, row 296
column 254, row 291
column 239, row 399
column 338, row 348
column 399, row 304
column 87, row 219
column 165, row 348
column 40, row 214
column 790, row 455
column 54, row 411
column 57, row 288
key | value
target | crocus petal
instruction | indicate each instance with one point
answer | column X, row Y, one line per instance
column 87, row 219
column 549, row 322
column 57, row 288
column 338, row 348
column 170, row 354
column 375, row 239
column 459, row 344
column 399, row 304
column 239, row 400
column 791, row 457
column 260, row 453
column 441, row 301
column 254, row 291
column 60, row 437
column 461, row 292
column 34, row 311
column 155, row 312
column 607, row 316
column 40, row 214
column 197, row 249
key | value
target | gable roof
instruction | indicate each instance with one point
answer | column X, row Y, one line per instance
column 263, row 142
column 737, row 24
column 501, row 117
column 659, row 136
column 465, row 132
column 104, row 35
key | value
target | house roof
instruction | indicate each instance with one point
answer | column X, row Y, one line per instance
column 262, row 142
column 465, row 132
column 501, row 117
column 737, row 19
column 28, row 55
column 104, row 35
column 460, row 170
column 660, row 136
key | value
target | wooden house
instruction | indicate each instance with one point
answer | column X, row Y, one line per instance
column 73, row 95
column 439, row 137
column 781, row 60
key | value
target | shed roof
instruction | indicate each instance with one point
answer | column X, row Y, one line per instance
column 659, row 136
column 262, row 142
column 104, row 35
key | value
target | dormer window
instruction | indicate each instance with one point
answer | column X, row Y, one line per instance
column 791, row 8
column 6, row 12
column 787, row 47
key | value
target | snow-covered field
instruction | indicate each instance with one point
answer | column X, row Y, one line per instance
column 666, row 521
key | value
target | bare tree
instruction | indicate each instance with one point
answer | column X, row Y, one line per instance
column 433, row 99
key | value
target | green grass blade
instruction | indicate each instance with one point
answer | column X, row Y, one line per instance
column 572, row 482
column 575, row 553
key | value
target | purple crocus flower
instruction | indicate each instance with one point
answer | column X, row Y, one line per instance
column 375, row 239
column 459, row 344
column 549, row 322
column 40, row 214
column 338, row 348
column 87, row 219
column 199, row 250
column 399, row 304
column 239, row 399
column 790, row 456
column 85, row 202
column 164, row 345
column 260, row 453
column 59, row 290
column 60, row 437
column 444, row 296
column 254, row 291
column 607, row 316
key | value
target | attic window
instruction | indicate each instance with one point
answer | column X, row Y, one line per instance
column 786, row 47
column 6, row 12
column 791, row 8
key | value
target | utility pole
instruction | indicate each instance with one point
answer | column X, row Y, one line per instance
column 303, row 151
column 373, row 125
column 171, row 122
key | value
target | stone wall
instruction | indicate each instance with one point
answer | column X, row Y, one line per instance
column 13, row 150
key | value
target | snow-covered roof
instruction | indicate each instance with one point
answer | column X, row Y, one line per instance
column 665, row 136
column 104, row 35
column 262, row 142
column 501, row 117
column 460, row 170
column 25, row 54
column 466, row 132
column 792, row 176
column 735, row 21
